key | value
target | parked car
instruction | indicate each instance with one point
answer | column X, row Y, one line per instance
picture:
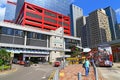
column 21, row 62
column 57, row 63
column 15, row 61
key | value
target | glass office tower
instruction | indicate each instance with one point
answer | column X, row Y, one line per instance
column 112, row 23
column 60, row 6
column 76, row 14
column 10, row 11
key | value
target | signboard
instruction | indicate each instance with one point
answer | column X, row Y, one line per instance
column 11, row 54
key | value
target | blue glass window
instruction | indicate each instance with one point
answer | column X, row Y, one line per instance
column 18, row 33
column 8, row 31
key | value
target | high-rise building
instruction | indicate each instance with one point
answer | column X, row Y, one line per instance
column 60, row 6
column 32, row 15
column 10, row 11
column 83, row 31
column 119, row 30
column 112, row 23
column 99, row 27
column 76, row 14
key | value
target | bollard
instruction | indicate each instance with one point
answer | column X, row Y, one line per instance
column 79, row 76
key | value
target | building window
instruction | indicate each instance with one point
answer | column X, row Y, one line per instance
column 29, row 35
column 8, row 31
column 19, row 33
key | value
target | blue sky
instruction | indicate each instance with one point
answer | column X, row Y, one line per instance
column 87, row 6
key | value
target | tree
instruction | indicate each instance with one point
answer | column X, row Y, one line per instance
column 4, row 56
column 75, row 51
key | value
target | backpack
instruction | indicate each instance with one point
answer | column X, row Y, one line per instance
column 83, row 65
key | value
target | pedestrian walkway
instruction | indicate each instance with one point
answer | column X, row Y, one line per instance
column 71, row 73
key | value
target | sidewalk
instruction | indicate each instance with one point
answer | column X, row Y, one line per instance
column 71, row 73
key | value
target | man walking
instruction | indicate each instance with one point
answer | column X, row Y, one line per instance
column 87, row 66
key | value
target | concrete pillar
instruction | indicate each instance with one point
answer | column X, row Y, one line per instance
column 47, row 42
column 25, row 39
column 64, row 43
column 23, row 57
column 46, row 58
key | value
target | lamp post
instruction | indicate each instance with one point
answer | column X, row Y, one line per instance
column 63, row 42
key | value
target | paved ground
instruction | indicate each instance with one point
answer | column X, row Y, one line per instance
column 71, row 73
column 39, row 72
column 110, row 73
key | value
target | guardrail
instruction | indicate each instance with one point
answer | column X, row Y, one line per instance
column 56, row 75
column 95, row 71
column 51, row 76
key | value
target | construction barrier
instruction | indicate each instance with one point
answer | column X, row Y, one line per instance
column 52, row 75
column 75, row 60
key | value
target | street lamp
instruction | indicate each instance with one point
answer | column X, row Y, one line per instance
column 63, row 42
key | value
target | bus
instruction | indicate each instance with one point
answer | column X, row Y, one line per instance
column 104, row 55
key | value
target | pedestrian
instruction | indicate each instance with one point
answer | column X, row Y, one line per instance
column 87, row 67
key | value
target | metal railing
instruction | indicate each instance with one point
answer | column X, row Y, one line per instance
column 95, row 71
column 56, row 75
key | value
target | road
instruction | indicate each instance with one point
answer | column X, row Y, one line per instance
column 110, row 73
column 39, row 72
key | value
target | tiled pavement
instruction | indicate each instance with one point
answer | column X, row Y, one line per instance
column 71, row 73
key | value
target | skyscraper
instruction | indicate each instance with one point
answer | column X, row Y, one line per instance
column 76, row 14
column 10, row 11
column 83, row 31
column 119, row 30
column 99, row 27
column 112, row 23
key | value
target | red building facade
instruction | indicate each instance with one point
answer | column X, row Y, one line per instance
column 36, row 16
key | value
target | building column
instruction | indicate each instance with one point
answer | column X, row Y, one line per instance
column 47, row 42
column 46, row 58
column 25, row 38
column 64, row 43
column 23, row 57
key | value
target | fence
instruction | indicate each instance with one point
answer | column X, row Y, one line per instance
column 95, row 71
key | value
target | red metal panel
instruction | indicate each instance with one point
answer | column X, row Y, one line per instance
column 10, row 2
column 8, row 21
column 33, row 19
column 30, row 23
column 39, row 11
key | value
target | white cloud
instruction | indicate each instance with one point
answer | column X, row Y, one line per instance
column 2, row 9
column 118, row 11
column 2, row 13
column 3, row 1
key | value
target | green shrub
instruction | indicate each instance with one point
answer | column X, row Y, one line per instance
column 5, row 67
column 1, row 62
column 50, row 62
